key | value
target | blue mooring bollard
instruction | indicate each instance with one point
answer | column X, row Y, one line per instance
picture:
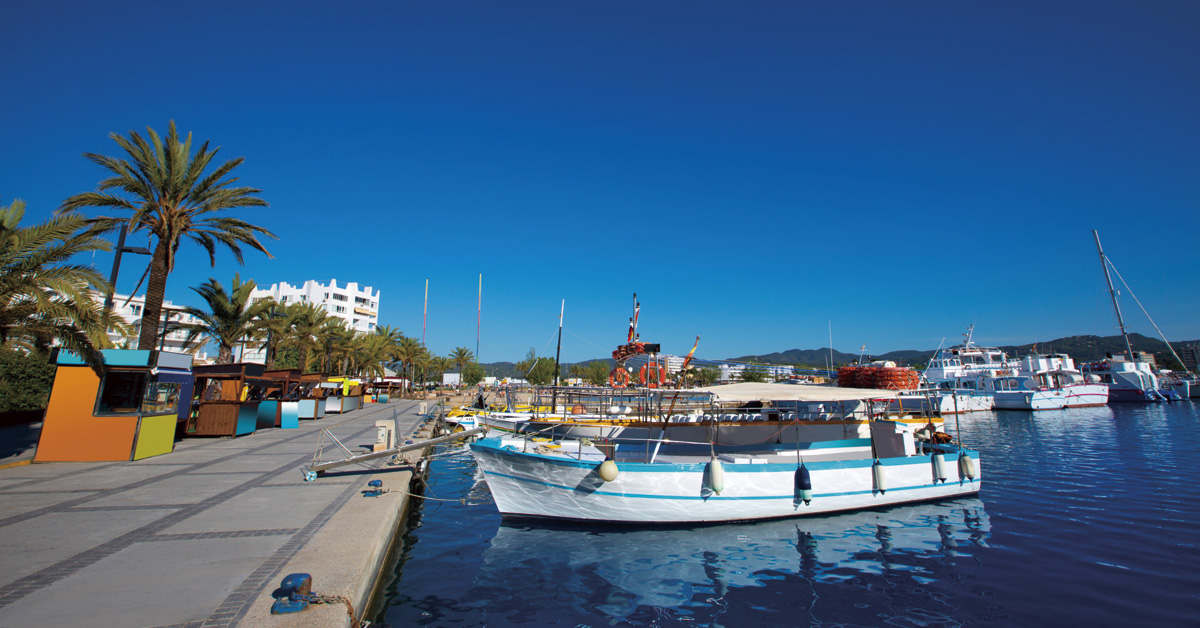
column 292, row 590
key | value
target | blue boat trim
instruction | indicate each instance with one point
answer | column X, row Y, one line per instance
column 490, row 444
column 699, row 497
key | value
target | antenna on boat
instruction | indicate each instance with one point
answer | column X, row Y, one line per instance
column 830, row 351
column 935, row 357
column 1113, row 293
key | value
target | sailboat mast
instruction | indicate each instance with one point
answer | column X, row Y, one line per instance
column 478, row 318
column 558, row 351
column 1113, row 293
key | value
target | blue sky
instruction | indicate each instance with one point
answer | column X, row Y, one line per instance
column 755, row 171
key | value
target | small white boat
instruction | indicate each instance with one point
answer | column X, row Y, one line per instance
column 1048, row 382
column 671, row 482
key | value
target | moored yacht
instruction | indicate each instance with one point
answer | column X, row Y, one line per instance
column 1048, row 382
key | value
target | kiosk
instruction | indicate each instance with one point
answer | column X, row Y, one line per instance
column 128, row 413
column 227, row 396
column 283, row 398
column 345, row 394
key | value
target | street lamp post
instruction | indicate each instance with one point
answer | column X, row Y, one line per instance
column 121, row 248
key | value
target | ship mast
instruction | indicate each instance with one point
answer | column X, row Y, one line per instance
column 1113, row 293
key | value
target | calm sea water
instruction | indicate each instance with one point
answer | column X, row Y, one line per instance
column 1088, row 517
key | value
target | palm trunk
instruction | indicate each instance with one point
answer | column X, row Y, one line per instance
column 225, row 355
column 155, row 291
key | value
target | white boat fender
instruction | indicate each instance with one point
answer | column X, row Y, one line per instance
column 966, row 467
column 803, row 484
column 939, row 467
column 608, row 470
column 877, row 474
column 715, row 474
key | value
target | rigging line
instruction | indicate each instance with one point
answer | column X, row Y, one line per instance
column 1139, row 303
column 582, row 338
column 538, row 357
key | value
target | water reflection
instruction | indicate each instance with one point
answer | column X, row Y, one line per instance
column 647, row 576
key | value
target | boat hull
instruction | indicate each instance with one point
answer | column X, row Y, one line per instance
column 1079, row 396
column 944, row 402
column 529, row 484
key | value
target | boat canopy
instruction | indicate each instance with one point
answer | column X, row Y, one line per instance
column 794, row 392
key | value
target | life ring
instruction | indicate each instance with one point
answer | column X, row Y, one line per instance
column 618, row 378
column 652, row 375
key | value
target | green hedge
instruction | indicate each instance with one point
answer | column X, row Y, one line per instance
column 25, row 380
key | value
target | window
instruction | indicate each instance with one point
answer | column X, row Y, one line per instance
column 339, row 309
column 339, row 297
column 136, row 309
column 161, row 398
column 121, row 392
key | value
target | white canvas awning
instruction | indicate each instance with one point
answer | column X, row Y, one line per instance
column 794, row 392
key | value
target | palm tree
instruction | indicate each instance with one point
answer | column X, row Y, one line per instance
column 304, row 323
column 171, row 197
column 231, row 316
column 438, row 366
column 373, row 351
column 409, row 352
column 42, row 299
column 392, row 335
column 461, row 356
column 335, row 345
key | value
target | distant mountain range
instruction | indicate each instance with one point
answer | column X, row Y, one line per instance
column 1081, row 348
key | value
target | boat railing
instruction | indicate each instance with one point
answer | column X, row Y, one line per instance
column 639, row 403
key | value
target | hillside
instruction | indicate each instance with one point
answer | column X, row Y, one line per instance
column 1081, row 348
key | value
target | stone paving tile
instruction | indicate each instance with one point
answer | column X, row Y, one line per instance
column 255, row 463
column 35, row 544
column 197, row 581
column 22, row 502
column 261, row 508
column 182, row 488
column 52, row 470
column 109, row 477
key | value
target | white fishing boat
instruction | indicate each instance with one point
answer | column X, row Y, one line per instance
column 660, row 481
column 1048, row 382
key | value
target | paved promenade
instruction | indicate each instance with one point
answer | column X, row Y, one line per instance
column 200, row 537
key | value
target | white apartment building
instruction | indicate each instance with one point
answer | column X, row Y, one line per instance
column 130, row 309
column 359, row 308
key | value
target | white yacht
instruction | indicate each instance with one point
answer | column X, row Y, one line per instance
column 1048, row 382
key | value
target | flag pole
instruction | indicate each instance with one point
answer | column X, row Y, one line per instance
column 425, row 314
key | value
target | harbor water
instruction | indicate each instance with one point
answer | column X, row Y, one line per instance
column 1088, row 516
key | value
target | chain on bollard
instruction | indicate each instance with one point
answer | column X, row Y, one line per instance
column 295, row 594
